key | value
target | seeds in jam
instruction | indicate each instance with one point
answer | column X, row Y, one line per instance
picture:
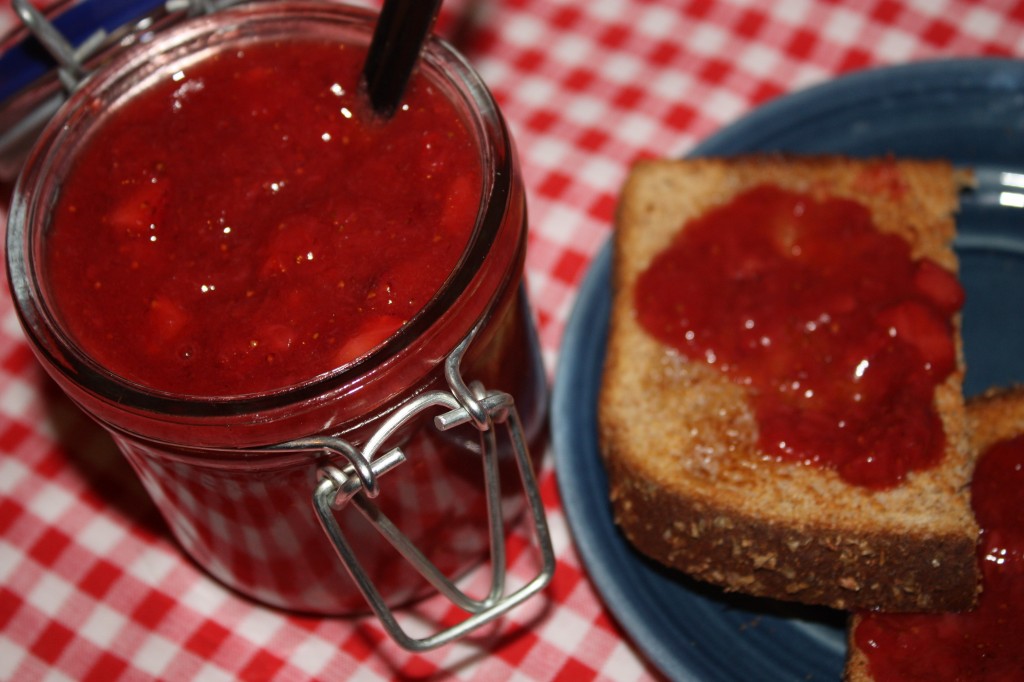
column 838, row 334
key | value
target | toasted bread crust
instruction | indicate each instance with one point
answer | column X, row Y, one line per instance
column 811, row 564
column 689, row 487
column 994, row 416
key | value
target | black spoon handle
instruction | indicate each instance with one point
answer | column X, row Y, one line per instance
column 402, row 27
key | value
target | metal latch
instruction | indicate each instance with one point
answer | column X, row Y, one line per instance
column 357, row 484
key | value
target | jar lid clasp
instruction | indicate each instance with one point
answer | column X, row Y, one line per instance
column 356, row 483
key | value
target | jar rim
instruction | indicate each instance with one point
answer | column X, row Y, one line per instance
column 438, row 59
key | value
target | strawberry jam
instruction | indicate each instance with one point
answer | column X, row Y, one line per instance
column 259, row 242
column 983, row 644
column 839, row 335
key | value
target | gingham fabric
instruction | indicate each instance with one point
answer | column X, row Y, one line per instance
column 92, row 587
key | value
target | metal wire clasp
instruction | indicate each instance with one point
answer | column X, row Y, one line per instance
column 357, row 483
column 70, row 60
column 100, row 30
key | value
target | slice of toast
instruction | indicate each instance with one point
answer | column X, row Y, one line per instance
column 688, row 484
column 993, row 417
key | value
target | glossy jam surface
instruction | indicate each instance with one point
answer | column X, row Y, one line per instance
column 246, row 224
column 984, row 644
column 840, row 336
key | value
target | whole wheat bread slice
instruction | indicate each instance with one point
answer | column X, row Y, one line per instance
column 688, row 485
column 993, row 417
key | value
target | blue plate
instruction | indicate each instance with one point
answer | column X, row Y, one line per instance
column 968, row 111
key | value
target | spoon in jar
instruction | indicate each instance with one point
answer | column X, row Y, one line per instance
column 402, row 27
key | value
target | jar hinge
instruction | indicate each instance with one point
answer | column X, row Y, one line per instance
column 357, row 483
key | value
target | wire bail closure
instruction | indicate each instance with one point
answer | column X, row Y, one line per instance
column 357, row 483
column 26, row 107
column 71, row 61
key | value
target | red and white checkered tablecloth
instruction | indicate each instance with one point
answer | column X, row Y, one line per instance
column 92, row 587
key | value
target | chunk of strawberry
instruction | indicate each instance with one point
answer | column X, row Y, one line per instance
column 166, row 318
column 293, row 243
column 371, row 333
column 939, row 285
column 925, row 329
column 462, row 198
column 141, row 209
column 277, row 337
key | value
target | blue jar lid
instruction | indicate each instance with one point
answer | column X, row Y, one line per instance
column 32, row 83
column 25, row 61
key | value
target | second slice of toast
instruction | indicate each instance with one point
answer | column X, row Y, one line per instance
column 995, row 416
column 688, row 484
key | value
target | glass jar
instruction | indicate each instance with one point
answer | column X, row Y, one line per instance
column 379, row 480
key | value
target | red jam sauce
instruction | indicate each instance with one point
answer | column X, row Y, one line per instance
column 246, row 223
column 984, row 644
column 840, row 336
